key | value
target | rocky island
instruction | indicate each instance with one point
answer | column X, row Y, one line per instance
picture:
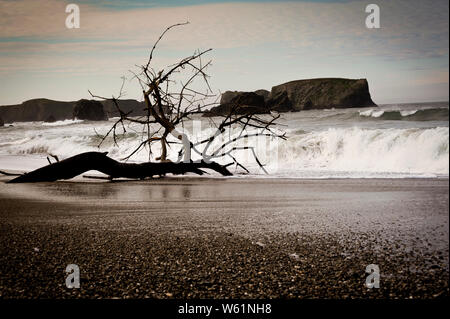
column 299, row 95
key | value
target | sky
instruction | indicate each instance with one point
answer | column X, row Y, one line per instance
column 256, row 45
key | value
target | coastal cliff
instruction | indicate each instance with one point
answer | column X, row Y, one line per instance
column 50, row 110
column 36, row 110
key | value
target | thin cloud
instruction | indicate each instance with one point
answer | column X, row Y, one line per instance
column 294, row 35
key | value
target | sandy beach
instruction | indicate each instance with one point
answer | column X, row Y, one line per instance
column 225, row 238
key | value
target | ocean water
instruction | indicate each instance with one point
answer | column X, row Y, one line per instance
column 389, row 141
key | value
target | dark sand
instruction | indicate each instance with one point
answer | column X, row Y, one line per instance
column 225, row 238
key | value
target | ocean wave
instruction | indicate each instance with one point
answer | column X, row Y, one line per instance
column 371, row 113
column 360, row 152
column 434, row 114
column 332, row 152
column 64, row 122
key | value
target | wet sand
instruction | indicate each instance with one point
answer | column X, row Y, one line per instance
column 225, row 238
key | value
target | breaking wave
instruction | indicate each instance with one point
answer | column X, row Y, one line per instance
column 435, row 114
column 352, row 152
column 64, row 122
column 322, row 149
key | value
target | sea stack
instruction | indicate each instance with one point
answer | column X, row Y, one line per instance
column 248, row 102
column 89, row 110
column 324, row 93
column 294, row 96
column 229, row 95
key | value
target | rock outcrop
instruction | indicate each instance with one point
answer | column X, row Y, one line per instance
column 36, row 110
column 89, row 110
column 50, row 119
column 44, row 109
column 264, row 93
column 229, row 95
column 325, row 93
column 248, row 102
column 280, row 102
column 135, row 107
column 2, row 123
column 299, row 95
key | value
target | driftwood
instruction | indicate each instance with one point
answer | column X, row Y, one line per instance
column 9, row 174
column 78, row 164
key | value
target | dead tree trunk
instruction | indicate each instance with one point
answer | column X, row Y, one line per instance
column 78, row 164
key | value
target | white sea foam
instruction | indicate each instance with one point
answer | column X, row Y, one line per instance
column 376, row 113
column 372, row 113
column 356, row 152
column 64, row 122
column 408, row 113
column 319, row 150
